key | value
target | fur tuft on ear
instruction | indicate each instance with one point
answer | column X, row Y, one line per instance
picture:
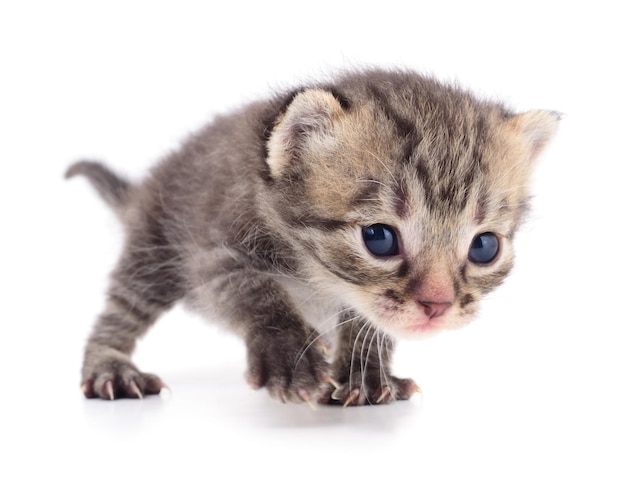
column 536, row 128
column 308, row 118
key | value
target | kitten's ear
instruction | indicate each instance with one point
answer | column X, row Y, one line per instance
column 307, row 121
column 535, row 129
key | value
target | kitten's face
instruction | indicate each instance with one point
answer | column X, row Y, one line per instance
column 406, row 216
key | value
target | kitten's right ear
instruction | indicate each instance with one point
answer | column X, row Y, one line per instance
column 536, row 128
column 306, row 123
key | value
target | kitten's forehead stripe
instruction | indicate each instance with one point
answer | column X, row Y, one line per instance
column 447, row 184
column 481, row 209
column 406, row 127
column 425, row 178
column 402, row 205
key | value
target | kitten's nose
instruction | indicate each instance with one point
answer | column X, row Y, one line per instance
column 434, row 309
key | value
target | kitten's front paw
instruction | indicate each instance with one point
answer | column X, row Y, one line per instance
column 290, row 371
column 111, row 377
column 369, row 391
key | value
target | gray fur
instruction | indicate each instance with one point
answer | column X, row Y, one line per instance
column 257, row 218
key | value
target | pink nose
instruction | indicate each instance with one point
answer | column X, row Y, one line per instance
column 435, row 309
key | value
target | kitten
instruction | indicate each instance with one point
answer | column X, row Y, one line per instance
column 320, row 226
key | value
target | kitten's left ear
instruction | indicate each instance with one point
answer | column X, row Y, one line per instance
column 535, row 129
column 305, row 125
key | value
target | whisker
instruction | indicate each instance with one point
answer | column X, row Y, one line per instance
column 367, row 356
column 312, row 340
column 383, row 347
column 352, row 358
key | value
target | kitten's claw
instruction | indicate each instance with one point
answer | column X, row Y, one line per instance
column 87, row 389
column 370, row 392
column 354, row 394
column 336, row 395
column 113, row 378
column 108, row 390
column 135, row 390
column 414, row 388
column 330, row 380
column 385, row 394
column 306, row 397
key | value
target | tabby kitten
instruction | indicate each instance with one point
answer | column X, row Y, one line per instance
column 320, row 225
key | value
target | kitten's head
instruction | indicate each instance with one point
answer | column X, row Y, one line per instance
column 402, row 195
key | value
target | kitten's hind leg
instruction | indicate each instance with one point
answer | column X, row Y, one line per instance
column 143, row 286
column 362, row 368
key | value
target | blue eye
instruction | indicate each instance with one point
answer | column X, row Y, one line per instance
column 380, row 240
column 484, row 248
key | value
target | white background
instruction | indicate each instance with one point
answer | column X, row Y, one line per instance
column 534, row 387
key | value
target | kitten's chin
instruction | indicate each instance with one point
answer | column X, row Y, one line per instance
column 423, row 327
column 415, row 330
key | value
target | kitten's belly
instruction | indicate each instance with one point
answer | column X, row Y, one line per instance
column 319, row 310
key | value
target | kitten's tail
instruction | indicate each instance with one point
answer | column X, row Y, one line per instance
column 113, row 189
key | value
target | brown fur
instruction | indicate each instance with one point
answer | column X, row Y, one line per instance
column 258, row 220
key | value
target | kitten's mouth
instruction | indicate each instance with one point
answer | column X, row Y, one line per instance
column 431, row 316
column 421, row 325
column 417, row 326
column 424, row 325
column 423, row 318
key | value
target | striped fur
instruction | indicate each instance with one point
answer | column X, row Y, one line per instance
column 257, row 221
